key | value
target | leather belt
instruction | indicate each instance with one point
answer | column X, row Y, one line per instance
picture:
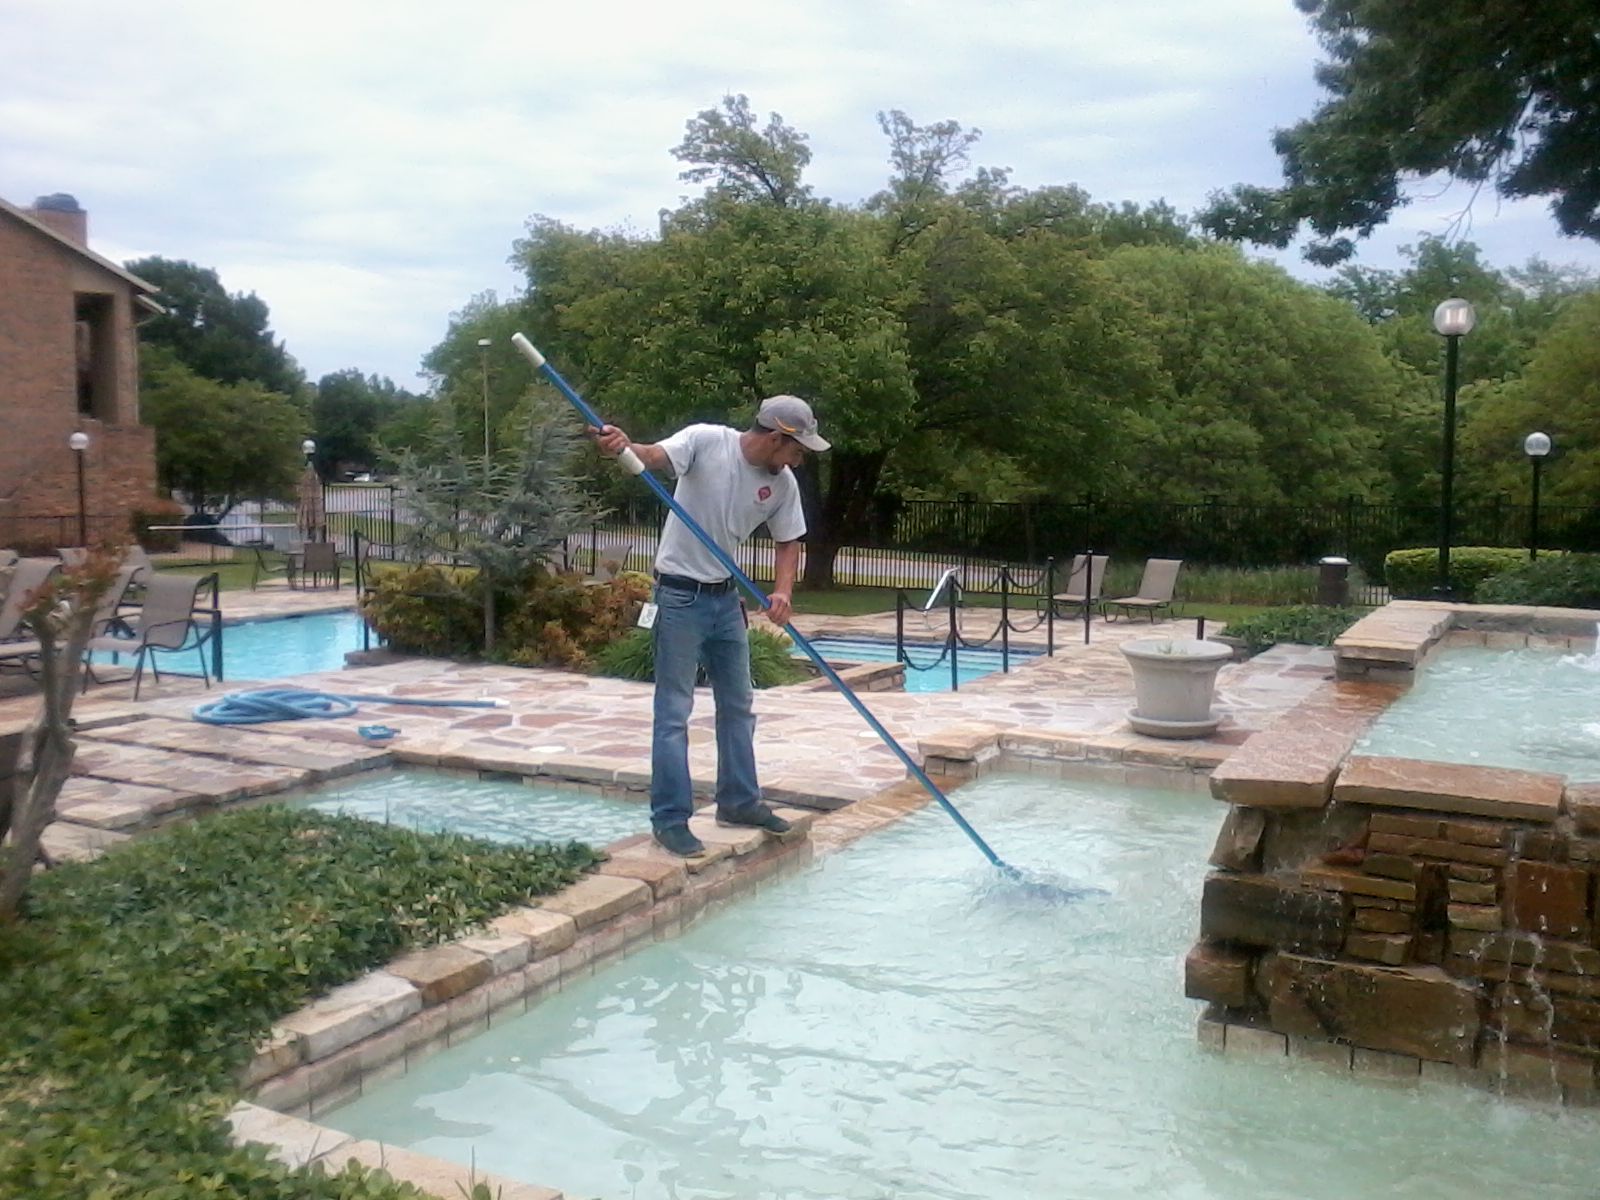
column 682, row 583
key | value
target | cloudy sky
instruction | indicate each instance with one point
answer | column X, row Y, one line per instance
column 364, row 167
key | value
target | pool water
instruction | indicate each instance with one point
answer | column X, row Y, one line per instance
column 501, row 810
column 897, row 1021
column 1531, row 710
column 289, row 645
column 926, row 671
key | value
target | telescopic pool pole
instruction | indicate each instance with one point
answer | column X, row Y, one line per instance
column 634, row 466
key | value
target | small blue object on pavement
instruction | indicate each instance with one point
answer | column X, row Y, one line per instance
column 376, row 733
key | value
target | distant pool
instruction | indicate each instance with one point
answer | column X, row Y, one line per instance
column 926, row 671
column 273, row 648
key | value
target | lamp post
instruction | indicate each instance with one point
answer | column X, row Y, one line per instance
column 79, row 441
column 483, row 370
column 1537, row 447
column 308, row 448
column 1452, row 320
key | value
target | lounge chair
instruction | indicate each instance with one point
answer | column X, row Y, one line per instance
column 1076, row 597
column 73, row 556
column 1156, row 587
column 164, row 625
column 27, row 577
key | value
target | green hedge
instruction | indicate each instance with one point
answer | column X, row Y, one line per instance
column 1413, row 574
column 135, row 987
column 1561, row 580
column 1304, row 624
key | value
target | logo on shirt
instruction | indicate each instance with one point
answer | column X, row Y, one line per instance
column 764, row 494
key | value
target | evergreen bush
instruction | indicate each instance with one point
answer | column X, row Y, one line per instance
column 1559, row 580
column 1413, row 574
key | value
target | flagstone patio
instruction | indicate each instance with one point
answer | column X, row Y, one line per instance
column 143, row 763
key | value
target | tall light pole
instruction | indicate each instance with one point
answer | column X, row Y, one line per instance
column 1452, row 320
column 483, row 365
column 79, row 441
column 1537, row 447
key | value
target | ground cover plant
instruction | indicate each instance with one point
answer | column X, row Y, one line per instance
column 1304, row 624
column 1560, row 580
column 136, row 985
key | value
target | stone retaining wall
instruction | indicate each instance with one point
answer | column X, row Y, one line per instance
column 1404, row 917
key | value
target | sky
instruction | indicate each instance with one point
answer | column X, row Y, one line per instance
column 365, row 167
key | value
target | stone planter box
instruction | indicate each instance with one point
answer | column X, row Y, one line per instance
column 1174, row 680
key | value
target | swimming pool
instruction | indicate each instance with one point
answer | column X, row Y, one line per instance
column 502, row 810
column 271, row 649
column 1527, row 709
column 925, row 672
column 894, row 1021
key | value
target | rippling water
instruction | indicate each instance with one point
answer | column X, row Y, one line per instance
column 897, row 1021
column 1527, row 709
column 501, row 810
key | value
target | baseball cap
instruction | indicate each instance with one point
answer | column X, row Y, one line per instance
column 793, row 416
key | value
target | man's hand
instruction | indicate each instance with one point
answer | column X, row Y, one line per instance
column 611, row 440
column 781, row 609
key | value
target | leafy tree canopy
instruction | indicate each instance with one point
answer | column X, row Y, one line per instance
column 350, row 413
column 1497, row 93
column 216, row 335
column 219, row 443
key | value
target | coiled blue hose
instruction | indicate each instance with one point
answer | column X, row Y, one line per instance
column 294, row 704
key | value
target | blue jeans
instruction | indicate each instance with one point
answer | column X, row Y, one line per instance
column 694, row 628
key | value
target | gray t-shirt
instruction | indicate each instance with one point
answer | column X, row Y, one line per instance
column 727, row 496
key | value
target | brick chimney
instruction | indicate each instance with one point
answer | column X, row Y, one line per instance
column 61, row 213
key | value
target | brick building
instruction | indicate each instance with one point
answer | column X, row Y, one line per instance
column 68, row 363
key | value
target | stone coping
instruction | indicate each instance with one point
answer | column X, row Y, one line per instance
column 1392, row 642
column 1513, row 1070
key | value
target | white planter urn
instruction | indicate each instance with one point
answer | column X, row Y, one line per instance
column 1174, row 680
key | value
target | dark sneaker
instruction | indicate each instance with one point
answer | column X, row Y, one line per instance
column 757, row 816
column 676, row 839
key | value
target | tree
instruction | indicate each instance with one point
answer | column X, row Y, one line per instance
column 216, row 335
column 503, row 516
column 349, row 414
column 1498, row 92
column 61, row 615
column 747, row 163
column 219, row 443
column 1559, row 394
column 1271, row 391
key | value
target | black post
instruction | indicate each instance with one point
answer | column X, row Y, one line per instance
column 1533, row 516
column 1088, row 590
column 83, row 507
column 1005, row 619
column 955, row 637
column 391, row 520
column 1050, row 607
column 1447, row 467
column 900, row 626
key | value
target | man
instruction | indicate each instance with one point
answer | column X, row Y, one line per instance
column 730, row 482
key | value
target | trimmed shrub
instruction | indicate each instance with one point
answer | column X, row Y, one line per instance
column 1412, row 574
column 1302, row 624
column 157, row 512
column 1561, row 580
column 563, row 620
column 426, row 609
column 633, row 656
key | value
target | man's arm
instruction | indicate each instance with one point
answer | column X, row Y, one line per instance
column 612, row 442
column 787, row 562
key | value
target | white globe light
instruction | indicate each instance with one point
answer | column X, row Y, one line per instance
column 79, row 441
column 1536, row 445
column 308, row 447
column 1454, row 317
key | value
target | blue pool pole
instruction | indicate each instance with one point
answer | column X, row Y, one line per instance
column 632, row 464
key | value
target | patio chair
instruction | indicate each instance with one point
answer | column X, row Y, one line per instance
column 27, row 576
column 73, row 556
column 1075, row 598
column 611, row 563
column 164, row 625
column 1156, row 587
column 286, row 540
column 319, row 560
